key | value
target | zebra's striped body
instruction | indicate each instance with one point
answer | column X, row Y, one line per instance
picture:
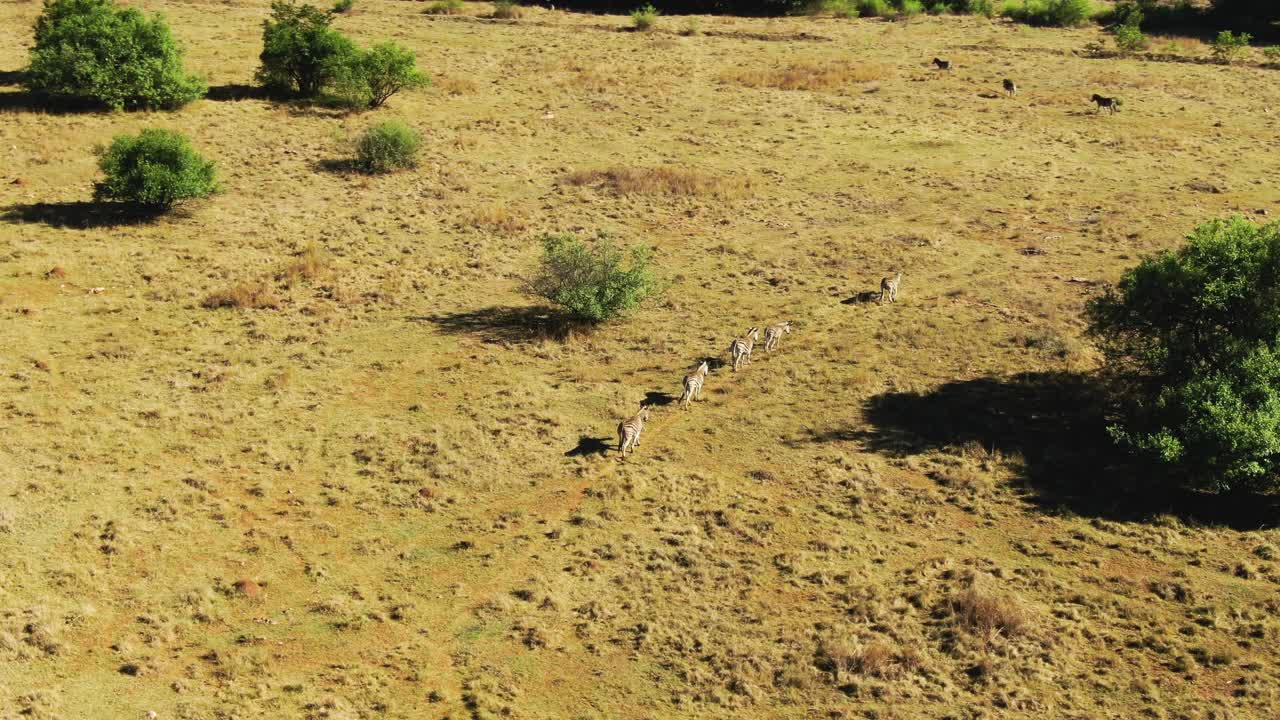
column 1108, row 103
column 693, row 384
column 889, row 288
column 1010, row 88
column 741, row 347
column 629, row 431
column 773, row 333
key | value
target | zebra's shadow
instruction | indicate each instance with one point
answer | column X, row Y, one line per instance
column 862, row 296
column 589, row 446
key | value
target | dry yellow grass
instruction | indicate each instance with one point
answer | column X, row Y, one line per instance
column 387, row 497
column 661, row 181
column 815, row 76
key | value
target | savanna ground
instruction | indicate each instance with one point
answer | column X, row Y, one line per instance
column 383, row 492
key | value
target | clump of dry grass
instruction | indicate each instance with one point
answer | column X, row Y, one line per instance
column 667, row 180
column 495, row 218
column 876, row 659
column 310, row 264
column 988, row 614
column 455, row 85
column 806, row 76
column 252, row 295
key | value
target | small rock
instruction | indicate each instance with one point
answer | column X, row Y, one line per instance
column 55, row 273
column 248, row 588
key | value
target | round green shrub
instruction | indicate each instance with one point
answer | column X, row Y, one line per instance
column 386, row 147
column 156, row 168
column 92, row 50
column 370, row 77
column 593, row 282
column 1192, row 346
column 301, row 54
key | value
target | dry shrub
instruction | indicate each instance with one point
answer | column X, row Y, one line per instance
column 256, row 295
column 659, row 181
column 310, row 264
column 988, row 614
column 807, row 76
column 876, row 659
column 455, row 85
column 495, row 218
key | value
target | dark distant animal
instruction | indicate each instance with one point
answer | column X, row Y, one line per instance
column 1107, row 103
column 942, row 64
column 629, row 431
column 889, row 288
column 1010, row 88
column 693, row 384
column 774, row 333
column 741, row 347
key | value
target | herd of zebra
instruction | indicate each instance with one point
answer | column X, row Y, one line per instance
column 1102, row 102
column 740, row 349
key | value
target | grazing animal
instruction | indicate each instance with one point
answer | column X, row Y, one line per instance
column 629, row 431
column 942, row 64
column 741, row 347
column 693, row 384
column 1010, row 88
column 1112, row 104
column 889, row 288
column 773, row 334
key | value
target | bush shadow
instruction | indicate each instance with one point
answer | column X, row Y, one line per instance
column 24, row 101
column 337, row 166
column 503, row 323
column 232, row 92
column 1055, row 422
column 12, row 77
column 82, row 215
column 588, row 446
column 658, row 398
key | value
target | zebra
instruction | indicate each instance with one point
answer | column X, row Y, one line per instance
column 741, row 347
column 942, row 64
column 693, row 384
column 629, row 431
column 1112, row 104
column 1010, row 88
column 773, row 334
column 889, row 288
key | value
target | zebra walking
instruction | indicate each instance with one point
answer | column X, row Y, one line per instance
column 741, row 347
column 773, row 334
column 889, row 288
column 693, row 384
column 629, row 431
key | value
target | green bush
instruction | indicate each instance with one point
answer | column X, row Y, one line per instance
column 1192, row 346
column 1056, row 13
column 369, row 77
column 644, row 18
column 1129, row 38
column 593, row 282
column 1272, row 54
column 92, row 50
column 444, row 7
column 301, row 54
column 386, row 147
column 507, row 10
column 909, row 8
column 343, row 6
column 939, row 8
column 874, row 8
column 1227, row 46
column 156, row 168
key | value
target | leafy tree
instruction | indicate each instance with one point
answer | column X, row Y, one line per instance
column 593, row 282
column 372, row 76
column 1227, row 46
column 156, row 168
column 300, row 53
column 93, row 50
column 1192, row 346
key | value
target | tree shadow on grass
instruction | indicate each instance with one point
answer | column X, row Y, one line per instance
column 83, row 215
column 862, row 296
column 503, row 323
column 236, row 91
column 24, row 101
column 338, row 166
column 658, row 398
column 589, row 446
column 1055, row 422
column 12, row 77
